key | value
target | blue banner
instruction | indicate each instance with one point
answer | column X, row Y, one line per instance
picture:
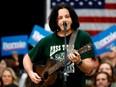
column 104, row 40
column 10, row 44
column 36, row 34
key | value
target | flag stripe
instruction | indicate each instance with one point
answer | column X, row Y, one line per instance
column 110, row 1
column 96, row 12
column 110, row 6
column 108, row 12
column 93, row 32
column 95, row 26
column 98, row 19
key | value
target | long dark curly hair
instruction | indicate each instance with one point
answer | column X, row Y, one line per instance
column 54, row 14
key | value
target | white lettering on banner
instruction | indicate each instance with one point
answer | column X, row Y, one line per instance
column 14, row 45
column 106, row 40
column 37, row 36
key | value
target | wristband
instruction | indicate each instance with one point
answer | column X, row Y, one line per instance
column 80, row 62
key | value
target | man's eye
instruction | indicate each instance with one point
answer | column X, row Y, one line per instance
column 67, row 16
column 59, row 18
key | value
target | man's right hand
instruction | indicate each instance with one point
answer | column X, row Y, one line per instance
column 34, row 77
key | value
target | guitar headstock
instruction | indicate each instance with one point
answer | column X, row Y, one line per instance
column 85, row 48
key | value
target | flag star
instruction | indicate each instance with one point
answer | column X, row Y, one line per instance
column 76, row 0
column 67, row 0
column 63, row 2
column 81, row 3
column 72, row 3
column 53, row 3
column 90, row 3
column 58, row 0
column 99, row 3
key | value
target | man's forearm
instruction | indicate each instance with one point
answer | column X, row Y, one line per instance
column 27, row 64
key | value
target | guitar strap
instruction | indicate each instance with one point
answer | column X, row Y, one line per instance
column 70, row 46
column 72, row 40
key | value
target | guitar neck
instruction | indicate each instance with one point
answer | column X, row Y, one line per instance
column 55, row 67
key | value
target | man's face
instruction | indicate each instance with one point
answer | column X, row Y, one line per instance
column 102, row 80
column 64, row 16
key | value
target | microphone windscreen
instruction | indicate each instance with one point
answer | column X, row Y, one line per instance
column 65, row 24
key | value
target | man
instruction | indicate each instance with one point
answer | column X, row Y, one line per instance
column 102, row 79
column 53, row 47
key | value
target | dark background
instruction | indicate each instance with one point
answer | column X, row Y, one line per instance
column 19, row 16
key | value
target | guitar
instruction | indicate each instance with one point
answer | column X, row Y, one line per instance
column 48, row 72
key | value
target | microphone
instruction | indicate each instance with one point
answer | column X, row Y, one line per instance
column 65, row 24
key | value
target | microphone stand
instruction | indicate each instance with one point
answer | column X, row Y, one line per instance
column 65, row 59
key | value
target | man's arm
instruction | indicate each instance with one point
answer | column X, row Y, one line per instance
column 86, row 66
column 27, row 63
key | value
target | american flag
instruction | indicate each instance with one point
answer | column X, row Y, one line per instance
column 94, row 15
